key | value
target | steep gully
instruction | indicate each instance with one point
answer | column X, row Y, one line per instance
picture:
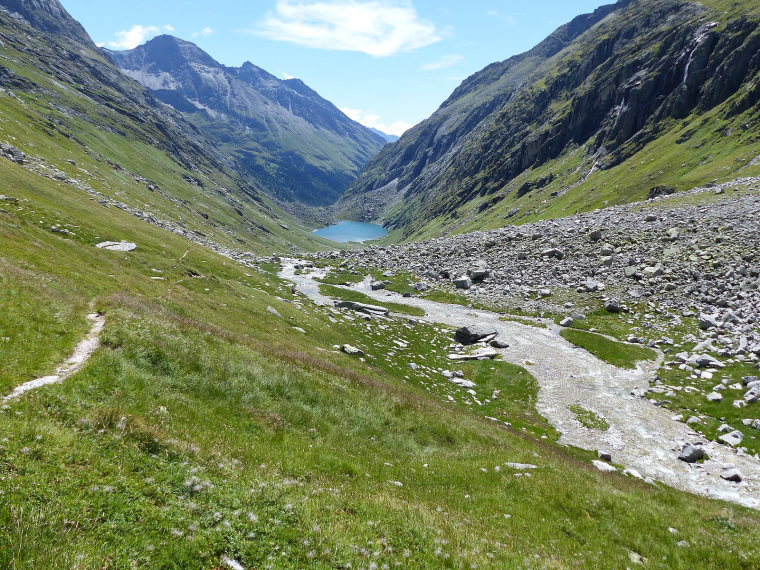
column 642, row 437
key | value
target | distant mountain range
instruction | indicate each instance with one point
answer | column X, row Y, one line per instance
column 637, row 98
column 640, row 94
column 72, row 117
column 298, row 146
column 386, row 136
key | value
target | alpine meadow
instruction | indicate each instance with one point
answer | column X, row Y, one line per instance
column 549, row 361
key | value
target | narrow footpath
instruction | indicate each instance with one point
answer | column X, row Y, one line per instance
column 83, row 352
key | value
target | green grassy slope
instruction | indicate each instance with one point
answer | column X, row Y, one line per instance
column 206, row 426
column 80, row 120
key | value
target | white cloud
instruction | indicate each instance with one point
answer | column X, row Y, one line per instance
column 374, row 121
column 443, row 62
column 207, row 31
column 137, row 35
column 499, row 15
column 377, row 28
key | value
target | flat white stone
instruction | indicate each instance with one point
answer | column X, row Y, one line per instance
column 117, row 246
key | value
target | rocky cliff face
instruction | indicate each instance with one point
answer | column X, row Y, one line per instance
column 592, row 96
column 49, row 16
column 297, row 144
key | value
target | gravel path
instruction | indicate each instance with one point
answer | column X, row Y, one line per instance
column 84, row 350
column 642, row 437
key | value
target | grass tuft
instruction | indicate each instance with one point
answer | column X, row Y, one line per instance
column 588, row 418
column 612, row 352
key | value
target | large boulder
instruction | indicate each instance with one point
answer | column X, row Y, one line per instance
column 474, row 333
column 554, row 253
column 658, row 191
column 479, row 271
column 707, row 322
column 691, row 453
column 731, row 474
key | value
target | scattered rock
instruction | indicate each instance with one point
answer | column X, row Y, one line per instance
column 691, row 453
column 604, row 467
column 462, row 382
column 363, row 308
column 592, row 286
column 733, row 439
column 479, row 272
column 639, row 392
column 707, row 322
column 520, row 466
column 352, row 350
column 377, row 285
column 12, row 153
column 733, row 475
column 705, row 361
column 554, row 253
column 480, row 354
column 463, row 282
column 567, row 322
column 117, row 246
column 274, row 311
column 658, row 191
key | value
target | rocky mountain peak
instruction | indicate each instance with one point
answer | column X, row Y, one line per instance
column 168, row 53
column 49, row 16
column 299, row 146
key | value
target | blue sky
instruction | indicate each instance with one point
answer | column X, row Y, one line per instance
column 387, row 63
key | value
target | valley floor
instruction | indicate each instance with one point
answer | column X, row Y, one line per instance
column 644, row 438
column 225, row 420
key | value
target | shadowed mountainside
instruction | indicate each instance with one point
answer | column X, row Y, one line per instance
column 637, row 95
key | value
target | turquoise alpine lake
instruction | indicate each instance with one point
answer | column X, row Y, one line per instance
column 344, row 232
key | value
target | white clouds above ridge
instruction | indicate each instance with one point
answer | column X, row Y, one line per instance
column 137, row 35
column 376, row 28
